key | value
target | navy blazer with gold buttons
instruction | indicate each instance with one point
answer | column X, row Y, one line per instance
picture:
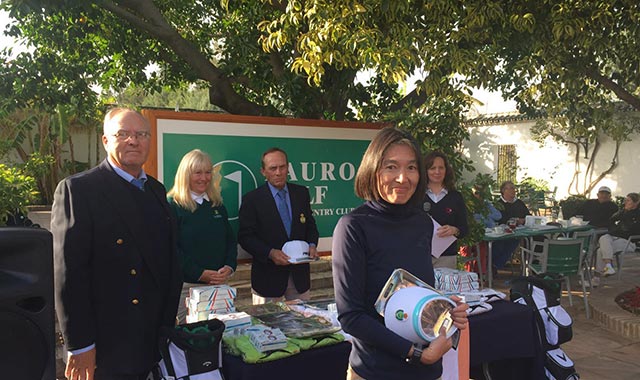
column 111, row 290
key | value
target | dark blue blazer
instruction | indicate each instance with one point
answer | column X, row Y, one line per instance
column 261, row 230
column 110, row 288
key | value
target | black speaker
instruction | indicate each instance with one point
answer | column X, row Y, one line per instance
column 27, row 349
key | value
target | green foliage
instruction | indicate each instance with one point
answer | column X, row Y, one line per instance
column 481, row 183
column 437, row 126
column 571, row 204
column 17, row 190
column 474, row 206
column 559, row 58
column 38, row 166
column 529, row 184
column 192, row 98
column 532, row 192
column 485, row 185
column 570, row 61
column 39, row 140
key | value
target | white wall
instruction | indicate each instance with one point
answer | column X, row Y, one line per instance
column 552, row 161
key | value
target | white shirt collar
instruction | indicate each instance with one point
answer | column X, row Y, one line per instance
column 506, row 201
column 199, row 198
column 437, row 198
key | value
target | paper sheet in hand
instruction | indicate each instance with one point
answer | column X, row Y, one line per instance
column 439, row 244
column 297, row 250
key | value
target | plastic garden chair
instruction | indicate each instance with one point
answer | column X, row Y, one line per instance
column 619, row 255
column 588, row 246
column 563, row 257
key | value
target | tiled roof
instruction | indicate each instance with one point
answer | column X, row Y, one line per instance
column 500, row 118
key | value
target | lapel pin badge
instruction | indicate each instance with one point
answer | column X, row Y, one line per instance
column 303, row 220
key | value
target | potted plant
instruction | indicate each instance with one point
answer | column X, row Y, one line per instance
column 17, row 190
column 571, row 205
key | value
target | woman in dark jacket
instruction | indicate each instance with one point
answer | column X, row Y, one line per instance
column 385, row 233
column 624, row 223
column 445, row 205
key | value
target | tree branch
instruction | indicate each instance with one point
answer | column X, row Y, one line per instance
column 588, row 174
column 280, row 5
column 414, row 99
column 277, row 65
column 612, row 166
column 609, row 84
column 145, row 16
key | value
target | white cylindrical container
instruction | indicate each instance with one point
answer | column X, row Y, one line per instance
column 417, row 314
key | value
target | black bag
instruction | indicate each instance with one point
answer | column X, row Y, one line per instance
column 558, row 366
column 542, row 293
column 192, row 351
column 19, row 219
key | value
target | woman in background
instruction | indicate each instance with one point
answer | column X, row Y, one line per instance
column 623, row 224
column 385, row 233
column 445, row 205
column 206, row 243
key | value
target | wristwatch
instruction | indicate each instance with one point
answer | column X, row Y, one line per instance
column 416, row 354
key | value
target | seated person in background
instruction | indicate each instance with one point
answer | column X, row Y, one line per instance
column 509, row 205
column 598, row 211
column 623, row 224
column 489, row 220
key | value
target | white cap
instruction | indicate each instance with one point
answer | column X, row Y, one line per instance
column 297, row 250
column 605, row 189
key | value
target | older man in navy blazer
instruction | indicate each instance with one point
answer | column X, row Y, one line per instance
column 117, row 277
column 270, row 216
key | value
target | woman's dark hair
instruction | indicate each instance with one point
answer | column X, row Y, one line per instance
column 366, row 182
column 449, row 181
column 634, row 197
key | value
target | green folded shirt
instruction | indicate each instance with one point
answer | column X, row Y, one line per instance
column 242, row 346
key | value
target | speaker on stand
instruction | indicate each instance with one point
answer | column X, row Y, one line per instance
column 27, row 324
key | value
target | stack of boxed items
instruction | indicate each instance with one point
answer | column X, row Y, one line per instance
column 265, row 338
column 233, row 321
column 455, row 281
column 206, row 300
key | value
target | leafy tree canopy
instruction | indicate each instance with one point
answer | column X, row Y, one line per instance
column 545, row 54
column 570, row 61
column 300, row 58
column 78, row 46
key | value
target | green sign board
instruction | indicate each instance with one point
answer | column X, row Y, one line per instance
column 325, row 160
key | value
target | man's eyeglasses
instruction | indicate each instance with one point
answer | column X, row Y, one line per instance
column 123, row 135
